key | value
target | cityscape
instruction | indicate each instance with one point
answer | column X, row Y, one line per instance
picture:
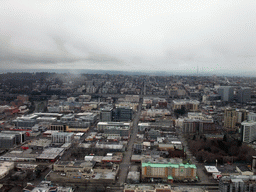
column 127, row 96
column 103, row 132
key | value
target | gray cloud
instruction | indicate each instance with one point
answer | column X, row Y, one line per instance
column 129, row 34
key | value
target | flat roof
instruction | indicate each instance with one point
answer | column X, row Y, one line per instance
column 211, row 169
column 113, row 123
column 168, row 165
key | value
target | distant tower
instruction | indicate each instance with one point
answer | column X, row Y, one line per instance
column 197, row 70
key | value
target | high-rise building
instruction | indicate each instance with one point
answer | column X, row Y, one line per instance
column 241, row 115
column 226, row 93
column 106, row 114
column 122, row 114
column 248, row 131
column 244, row 95
column 230, row 118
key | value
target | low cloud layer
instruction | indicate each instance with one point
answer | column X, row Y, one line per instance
column 130, row 35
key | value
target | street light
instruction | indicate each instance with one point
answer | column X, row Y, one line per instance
column 216, row 162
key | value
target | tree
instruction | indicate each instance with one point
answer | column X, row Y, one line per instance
column 180, row 112
column 225, row 138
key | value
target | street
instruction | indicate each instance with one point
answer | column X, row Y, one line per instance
column 124, row 166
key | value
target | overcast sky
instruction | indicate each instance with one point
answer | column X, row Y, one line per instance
column 151, row 35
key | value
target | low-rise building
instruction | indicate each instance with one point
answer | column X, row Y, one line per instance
column 62, row 137
column 147, row 188
column 101, row 126
column 162, row 170
column 5, row 168
column 239, row 183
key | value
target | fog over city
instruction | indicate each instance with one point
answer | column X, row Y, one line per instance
column 162, row 35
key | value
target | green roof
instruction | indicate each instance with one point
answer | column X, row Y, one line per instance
column 168, row 165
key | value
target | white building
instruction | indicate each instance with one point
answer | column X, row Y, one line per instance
column 248, row 131
column 5, row 168
column 62, row 137
column 251, row 117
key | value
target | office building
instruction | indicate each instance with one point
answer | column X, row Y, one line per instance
column 244, row 95
column 226, row 93
column 122, row 114
column 106, row 114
